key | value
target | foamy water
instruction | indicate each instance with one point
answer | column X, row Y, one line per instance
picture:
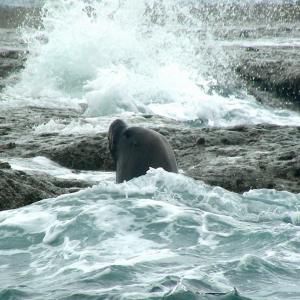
column 133, row 56
column 45, row 165
column 156, row 236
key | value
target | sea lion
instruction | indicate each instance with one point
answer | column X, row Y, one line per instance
column 136, row 149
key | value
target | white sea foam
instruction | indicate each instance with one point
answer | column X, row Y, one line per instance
column 167, row 224
column 138, row 56
column 31, row 220
column 295, row 217
column 56, row 229
column 78, row 126
column 43, row 164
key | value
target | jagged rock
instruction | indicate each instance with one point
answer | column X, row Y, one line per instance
column 11, row 60
column 13, row 16
column 4, row 165
column 18, row 188
column 241, row 158
column 3, row 147
column 236, row 158
column 86, row 153
column 272, row 69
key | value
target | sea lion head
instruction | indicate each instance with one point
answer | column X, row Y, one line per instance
column 115, row 131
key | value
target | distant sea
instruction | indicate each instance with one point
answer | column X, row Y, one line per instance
column 26, row 3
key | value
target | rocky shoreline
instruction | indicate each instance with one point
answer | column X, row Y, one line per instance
column 14, row 16
column 19, row 188
column 236, row 158
column 11, row 61
column 272, row 74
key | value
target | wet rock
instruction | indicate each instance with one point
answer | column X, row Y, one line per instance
column 236, row 158
column 4, row 130
column 13, row 16
column 83, row 154
column 4, row 147
column 17, row 139
column 11, row 60
column 4, row 165
column 261, row 156
column 18, row 188
column 275, row 70
column 17, row 136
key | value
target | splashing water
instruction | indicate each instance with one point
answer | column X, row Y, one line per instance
column 139, row 56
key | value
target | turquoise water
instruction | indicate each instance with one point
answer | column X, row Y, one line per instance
column 160, row 236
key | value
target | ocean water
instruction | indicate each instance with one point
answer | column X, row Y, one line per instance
column 162, row 235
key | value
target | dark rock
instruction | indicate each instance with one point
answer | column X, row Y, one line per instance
column 4, row 165
column 86, row 153
column 243, row 12
column 4, row 130
column 275, row 70
column 13, row 17
column 7, row 146
column 18, row 140
column 11, row 53
column 201, row 141
column 19, row 189
column 266, row 156
column 11, row 60
column 253, row 49
column 17, row 137
column 237, row 158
